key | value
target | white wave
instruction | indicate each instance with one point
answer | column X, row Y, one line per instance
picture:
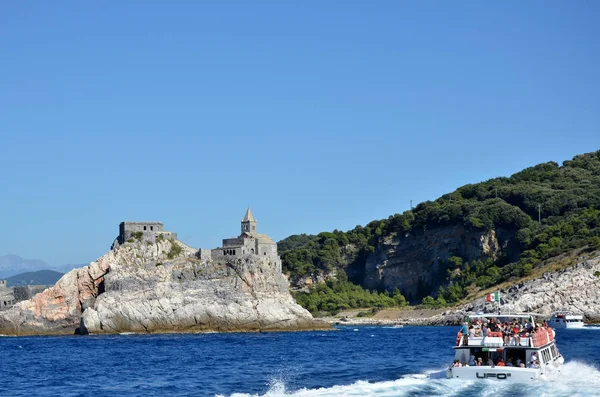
column 396, row 388
column 575, row 379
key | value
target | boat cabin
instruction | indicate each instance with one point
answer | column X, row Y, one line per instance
column 566, row 320
column 513, row 349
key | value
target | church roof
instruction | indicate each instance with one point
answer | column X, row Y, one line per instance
column 248, row 217
column 264, row 239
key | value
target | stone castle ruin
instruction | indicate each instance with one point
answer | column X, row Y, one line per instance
column 11, row 295
column 7, row 298
column 147, row 231
column 249, row 242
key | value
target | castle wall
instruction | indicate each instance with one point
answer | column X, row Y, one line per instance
column 7, row 298
column 233, row 242
column 150, row 232
column 204, row 254
column 267, row 249
column 11, row 295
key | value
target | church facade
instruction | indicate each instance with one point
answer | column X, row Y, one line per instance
column 249, row 242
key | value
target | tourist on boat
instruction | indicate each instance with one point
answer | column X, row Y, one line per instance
column 505, row 333
column 500, row 363
column 471, row 331
column 534, row 364
column 484, row 330
column 472, row 361
column 479, row 362
column 534, row 357
column 515, row 334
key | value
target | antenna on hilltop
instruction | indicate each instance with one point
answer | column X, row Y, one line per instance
column 539, row 213
column 411, row 207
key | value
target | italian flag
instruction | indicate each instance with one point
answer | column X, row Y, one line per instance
column 495, row 297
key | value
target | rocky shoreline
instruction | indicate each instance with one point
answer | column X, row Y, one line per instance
column 138, row 287
column 576, row 289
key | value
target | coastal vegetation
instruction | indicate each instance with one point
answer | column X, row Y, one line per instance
column 548, row 210
column 340, row 294
column 175, row 250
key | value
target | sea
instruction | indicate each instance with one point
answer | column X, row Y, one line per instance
column 348, row 361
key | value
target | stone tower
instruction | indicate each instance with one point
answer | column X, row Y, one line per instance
column 248, row 223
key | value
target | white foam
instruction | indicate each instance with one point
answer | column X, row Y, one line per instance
column 575, row 379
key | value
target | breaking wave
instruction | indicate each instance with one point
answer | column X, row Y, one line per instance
column 575, row 379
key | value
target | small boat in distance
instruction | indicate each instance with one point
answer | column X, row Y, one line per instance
column 514, row 348
column 566, row 320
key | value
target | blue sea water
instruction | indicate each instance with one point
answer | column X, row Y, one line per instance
column 351, row 361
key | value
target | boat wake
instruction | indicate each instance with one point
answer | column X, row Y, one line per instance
column 575, row 379
column 592, row 327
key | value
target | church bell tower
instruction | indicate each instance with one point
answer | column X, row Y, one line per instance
column 248, row 223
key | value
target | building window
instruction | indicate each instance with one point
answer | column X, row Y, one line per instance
column 151, row 227
column 144, row 227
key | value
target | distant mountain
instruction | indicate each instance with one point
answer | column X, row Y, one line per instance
column 14, row 264
column 41, row 277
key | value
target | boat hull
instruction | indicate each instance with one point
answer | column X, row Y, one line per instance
column 508, row 374
column 569, row 325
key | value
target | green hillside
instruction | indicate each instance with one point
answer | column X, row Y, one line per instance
column 565, row 198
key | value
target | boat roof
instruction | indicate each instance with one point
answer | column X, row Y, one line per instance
column 496, row 315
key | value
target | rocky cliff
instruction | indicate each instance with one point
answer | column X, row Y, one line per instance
column 161, row 287
column 576, row 289
column 415, row 262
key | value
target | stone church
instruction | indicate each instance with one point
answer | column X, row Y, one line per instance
column 249, row 242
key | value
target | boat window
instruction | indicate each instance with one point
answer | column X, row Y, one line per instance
column 546, row 355
column 514, row 355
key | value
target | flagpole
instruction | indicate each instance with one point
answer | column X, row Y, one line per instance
column 498, row 302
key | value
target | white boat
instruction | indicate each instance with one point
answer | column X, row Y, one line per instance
column 515, row 351
column 566, row 320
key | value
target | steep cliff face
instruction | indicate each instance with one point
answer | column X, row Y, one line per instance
column 415, row 262
column 138, row 288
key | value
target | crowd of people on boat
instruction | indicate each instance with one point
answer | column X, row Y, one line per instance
column 510, row 332
column 510, row 362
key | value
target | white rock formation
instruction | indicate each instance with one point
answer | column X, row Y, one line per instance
column 138, row 288
column 576, row 289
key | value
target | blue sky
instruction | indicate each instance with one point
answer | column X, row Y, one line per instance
column 319, row 115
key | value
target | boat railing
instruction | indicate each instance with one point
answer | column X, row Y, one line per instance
column 486, row 341
column 542, row 337
column 535, row 339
